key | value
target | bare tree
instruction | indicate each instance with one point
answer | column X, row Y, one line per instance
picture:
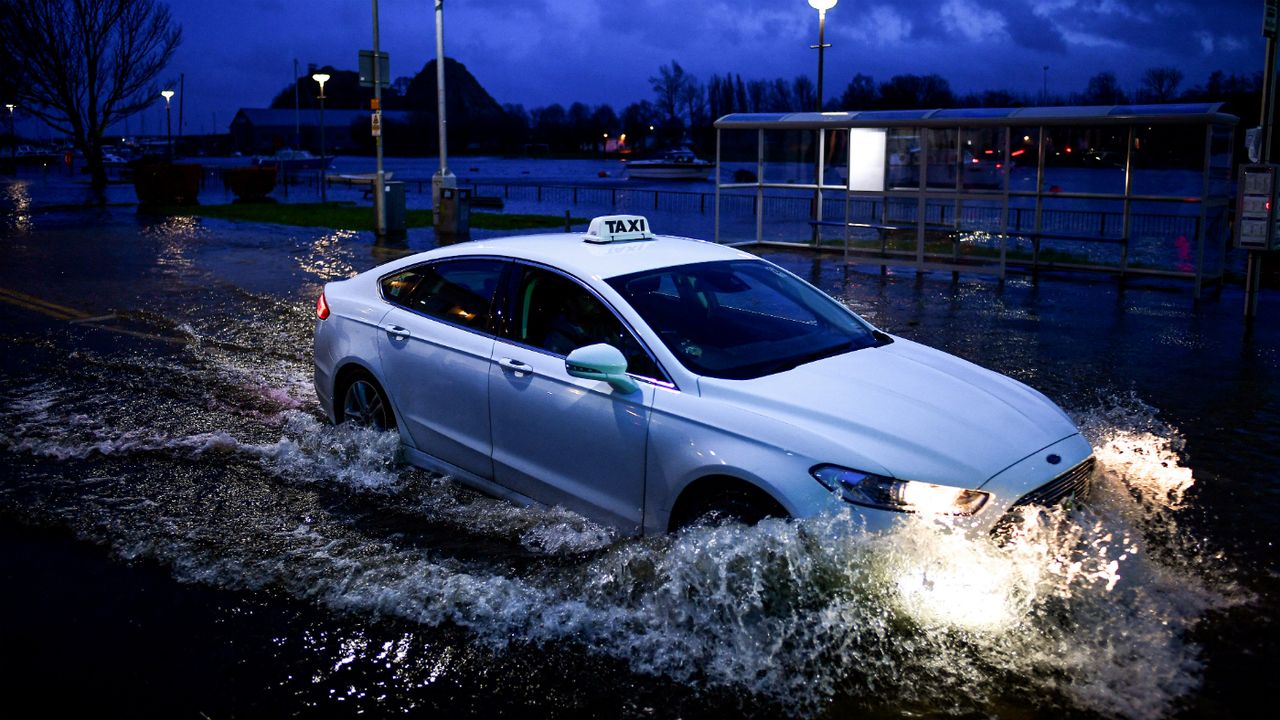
column 88, row 63
column 671, row 90
column 1103, row 89
column 861, row 94
column 1160, row 84
column 806, row 95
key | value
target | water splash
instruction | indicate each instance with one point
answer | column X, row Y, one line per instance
column 1086, row 609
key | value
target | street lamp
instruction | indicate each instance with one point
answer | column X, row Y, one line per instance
column 322, row 78
column 168, row 119
column 822, row 6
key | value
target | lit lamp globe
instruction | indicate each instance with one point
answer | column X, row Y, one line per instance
column 166, row 94
column 822, row 5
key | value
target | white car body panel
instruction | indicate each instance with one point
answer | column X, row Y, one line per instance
column 901, row 410
column 572, row 442
column 441, row 376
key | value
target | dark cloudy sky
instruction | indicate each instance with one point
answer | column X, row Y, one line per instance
column 239, row 53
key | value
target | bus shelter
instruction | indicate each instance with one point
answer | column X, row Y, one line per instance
column 1133, row 189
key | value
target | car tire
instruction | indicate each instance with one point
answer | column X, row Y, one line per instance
column 362, row 402
column 721, row 505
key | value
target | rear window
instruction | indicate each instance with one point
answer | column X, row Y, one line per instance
column 456, row 291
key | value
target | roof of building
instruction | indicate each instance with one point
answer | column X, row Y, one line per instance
column 1180, row 113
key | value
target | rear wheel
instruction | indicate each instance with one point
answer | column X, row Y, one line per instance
column 364, row 404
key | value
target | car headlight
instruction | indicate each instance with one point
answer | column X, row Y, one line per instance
column 886, row 493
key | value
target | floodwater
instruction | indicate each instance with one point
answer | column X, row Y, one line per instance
column 183, row 534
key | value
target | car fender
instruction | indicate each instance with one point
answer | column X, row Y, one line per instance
column 690, row 440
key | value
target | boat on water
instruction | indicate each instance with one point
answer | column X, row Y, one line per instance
column 677, row 164
column 356, row 178
column 290, row 160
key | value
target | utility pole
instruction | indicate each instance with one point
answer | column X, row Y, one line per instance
column 379, row 179
column 182, row 101
column 297, row 118
column 443, row 179
column 1253, row 267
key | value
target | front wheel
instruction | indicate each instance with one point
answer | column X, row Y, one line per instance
column 365, row 405
column 724, row 505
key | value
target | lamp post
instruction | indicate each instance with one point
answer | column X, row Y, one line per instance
column 822, row 6
column 13, row 138
column 322, row 78
column 168, row 120
column 1044, row 88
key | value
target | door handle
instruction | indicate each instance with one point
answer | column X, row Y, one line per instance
column 397, row 332
column 515, row 365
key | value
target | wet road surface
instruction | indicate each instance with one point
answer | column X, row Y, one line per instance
column 182, row 535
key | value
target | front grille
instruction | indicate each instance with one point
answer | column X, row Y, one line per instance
column 1072, row 483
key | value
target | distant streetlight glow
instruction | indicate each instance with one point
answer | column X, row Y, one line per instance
column 168, row 122
column 322, row 78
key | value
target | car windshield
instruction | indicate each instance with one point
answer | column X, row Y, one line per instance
column 742, row 319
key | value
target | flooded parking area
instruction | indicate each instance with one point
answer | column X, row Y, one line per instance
column 183, row 534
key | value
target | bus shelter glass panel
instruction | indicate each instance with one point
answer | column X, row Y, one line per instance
column 738, row 155
column 790, row 157
column 1164, row 235
column 1024, row 159
column 902, row 158
column 1168, row 160
column 1082, row 231
column 835, row 173
column 982, row 159
column 1220, row 154
column 1085, row 159
column 943, row 159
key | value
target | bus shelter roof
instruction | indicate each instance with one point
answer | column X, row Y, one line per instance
column 1179, row 113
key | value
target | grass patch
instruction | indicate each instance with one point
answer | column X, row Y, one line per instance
column 349, row 216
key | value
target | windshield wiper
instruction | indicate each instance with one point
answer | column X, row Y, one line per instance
column 798, row 360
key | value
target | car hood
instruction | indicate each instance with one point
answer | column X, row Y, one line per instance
column 907, row 411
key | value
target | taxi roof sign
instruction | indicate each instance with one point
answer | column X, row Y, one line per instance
column 618, row 228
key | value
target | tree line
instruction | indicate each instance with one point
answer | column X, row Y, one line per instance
column 682, row 109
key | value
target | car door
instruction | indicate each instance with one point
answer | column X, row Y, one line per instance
column 435, row 346
column 560, row 439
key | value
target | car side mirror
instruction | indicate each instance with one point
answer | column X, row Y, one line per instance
column 601, row 362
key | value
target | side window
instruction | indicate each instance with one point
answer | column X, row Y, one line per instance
column 456, row 291
column 558, row 315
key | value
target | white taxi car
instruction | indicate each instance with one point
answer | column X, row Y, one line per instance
column 647, row 382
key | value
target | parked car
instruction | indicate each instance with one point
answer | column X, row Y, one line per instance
column 647, row 382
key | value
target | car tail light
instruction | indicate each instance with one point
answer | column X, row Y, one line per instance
column 322, row 307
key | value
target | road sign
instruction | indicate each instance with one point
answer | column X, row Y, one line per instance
column 376, row 126
column 1269, row 13
column 366, row 68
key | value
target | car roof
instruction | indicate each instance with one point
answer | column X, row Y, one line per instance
column 572, row 253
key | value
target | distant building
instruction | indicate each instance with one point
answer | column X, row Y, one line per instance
column 264, row 130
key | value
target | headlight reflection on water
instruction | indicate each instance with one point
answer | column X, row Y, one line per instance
column 954, row 581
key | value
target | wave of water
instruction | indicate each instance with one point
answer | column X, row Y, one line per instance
column 1087, row 609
